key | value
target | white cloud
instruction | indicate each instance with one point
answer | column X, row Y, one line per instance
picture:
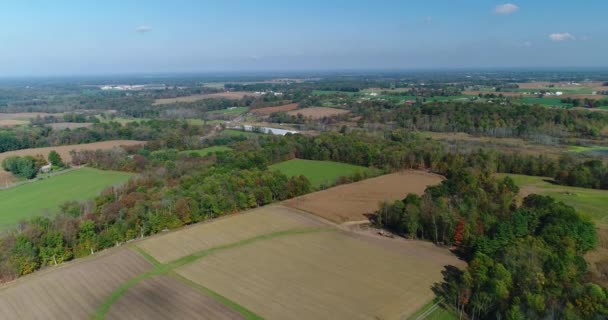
column 506, row 8
column 143, row 29
column 564, row 36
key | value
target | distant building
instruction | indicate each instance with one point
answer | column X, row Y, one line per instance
column 46, row 169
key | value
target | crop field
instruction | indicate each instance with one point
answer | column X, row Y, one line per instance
column 25, row 115
column 591, row 202
column 163, row 297
column 594, row 150
column 233, row 110
column 46, row 195
column 234, row 95
column 318, row 172
column 230, row 229
column 205, row 151
column 318, row 112
column 70, row 291
column 64, row 151
column 331, row 275
column 353, row 202
column 269, row 110
column 237, row 133
column 557, row 102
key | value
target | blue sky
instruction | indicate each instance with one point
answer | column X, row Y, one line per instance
column 99, row 37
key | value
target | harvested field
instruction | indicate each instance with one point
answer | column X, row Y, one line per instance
column 269, row 110
column 71, row 291
column 318, row 112
column 69, row 125
column 12, row 123
column 25, row 115
column 324, row 275
column 234, row 228
column 235, row 95
column 352, row 202
column 64, row 151
column 162, row 297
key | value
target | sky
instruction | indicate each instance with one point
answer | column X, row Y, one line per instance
column 61, row 37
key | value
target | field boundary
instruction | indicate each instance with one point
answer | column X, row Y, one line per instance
column 167, row 268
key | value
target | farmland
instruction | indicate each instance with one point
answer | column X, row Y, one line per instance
column 283, row 108
column 64, row 151
column 69, row 125
column 318, row 112
column 34, row 198
column 353, row 202
column 590, row 202
column 236, row 95
column 12, row 123
column 234, row 110
column 73, row 290
column 318, row 172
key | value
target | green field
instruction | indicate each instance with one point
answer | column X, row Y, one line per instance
column 235, row 110
column 330, row 92
column 206, row 151
column 318, row 172
column 590, row 202
column 431, row 311
column 45, row 196
column 593, row 149
column 544, row 101
column 236, row 133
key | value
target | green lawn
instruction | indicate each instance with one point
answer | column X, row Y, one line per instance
column 318, row 172
column 591, row 202
column 206, row 151
column 38, row 197
column 235, row 110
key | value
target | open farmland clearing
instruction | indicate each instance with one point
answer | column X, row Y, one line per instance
column 352, row 202
column 225, row 230
column 269, row 110
column 69, row 125
column 234, row 95
column 318, row 172
column 330, row 274
column 12, row 123
column 71, row 291
column 318, row 112
column 64, row 151
column 34, row 198
column 163, row 297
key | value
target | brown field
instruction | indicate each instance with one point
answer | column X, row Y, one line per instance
column 71, row 291
column 318, row 112
column 64, row 151
column 324, row 275
column 352, row 202
column 12, row 123
column 234, row 228
column 269, row 110
column 69, row 125
column 235, row 95
column 24, row 115
column 6, row 178
column 162, row 297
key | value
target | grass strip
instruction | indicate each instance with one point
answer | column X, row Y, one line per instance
column 160, row 268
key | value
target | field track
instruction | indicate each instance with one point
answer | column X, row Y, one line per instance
column 352, row 202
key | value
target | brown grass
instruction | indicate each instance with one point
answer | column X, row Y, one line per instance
column 162, row 297
column 64, row 151
column 352, row 202
column 235, row 95
column 269, row 110
column 318, row 112
column 12, row 123
column 269, row 219
column 71, row 291
column 69, row 125
column 324, row 275
column 25, row 115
